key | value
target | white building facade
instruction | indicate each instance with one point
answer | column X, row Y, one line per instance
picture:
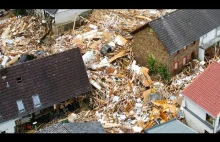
column 198, row 119
column 207, row 40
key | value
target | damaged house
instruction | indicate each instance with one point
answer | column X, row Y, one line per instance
column 178, row 37
column 201, row 104
column 30, row 87
column 61, row 19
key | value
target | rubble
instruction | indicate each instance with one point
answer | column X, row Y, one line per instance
column 120, row 98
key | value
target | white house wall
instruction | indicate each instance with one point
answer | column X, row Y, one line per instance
column 201, row 54
column 191, row 120
column 8, row 126
column 195, row 109
column 217, row 124
column 195, row 123
column 210, row 38
column 68, row 16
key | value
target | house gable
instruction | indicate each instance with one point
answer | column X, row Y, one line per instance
column 146, row 43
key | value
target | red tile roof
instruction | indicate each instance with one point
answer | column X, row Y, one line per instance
column 205, row 90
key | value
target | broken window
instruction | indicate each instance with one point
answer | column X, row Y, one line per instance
column 209, row 119
column 176, row 66
column 19, row 80
column 184, row 61
column 20, row 106
column 36, row 101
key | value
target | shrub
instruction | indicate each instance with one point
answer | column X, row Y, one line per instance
column 20, row 12
column 158, row 69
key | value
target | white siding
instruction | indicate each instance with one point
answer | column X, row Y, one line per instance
column 218, row 31
column 195, row 123
column 210, row 38
column 68, row 16
column 195, row 109
column 201, row 54
column 8, row 126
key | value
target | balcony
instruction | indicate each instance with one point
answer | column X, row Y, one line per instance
column 210, row 43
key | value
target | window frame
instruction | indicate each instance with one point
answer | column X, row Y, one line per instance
column 20, row 102
column 36, row 101
column 185, row 57
column 175, row 69
column 206, row 119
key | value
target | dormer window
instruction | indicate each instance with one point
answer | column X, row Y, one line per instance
column 20, row 106
column 36, row 101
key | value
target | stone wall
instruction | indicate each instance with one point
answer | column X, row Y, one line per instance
column 178, row 57
column 146, row 42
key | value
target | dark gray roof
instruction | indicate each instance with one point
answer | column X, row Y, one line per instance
column 172, row 126
column 81, row 127
column 51, row 11
column 54, row 78
column 182, row 27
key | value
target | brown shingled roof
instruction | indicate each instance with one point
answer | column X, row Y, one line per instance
column 54, row 78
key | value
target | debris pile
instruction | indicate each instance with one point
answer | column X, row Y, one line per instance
column 21, row 36
column 183, row 79
column 126, row 19
column 122, row 98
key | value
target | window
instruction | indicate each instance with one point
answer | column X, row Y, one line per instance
column 205, row 36
column 193, row 55
column 20, row 106
column 19, row 80
column 194, row 42
column 184, row 61
column 176, row 66
column 209, row 119
column 36, row 101
column 218, row 28
column 176, row 53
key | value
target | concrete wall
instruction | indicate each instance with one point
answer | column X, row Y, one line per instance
column 8, row 126
column 146, row 42
column 67, row 16
column 58, row 29
column 194, row 122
